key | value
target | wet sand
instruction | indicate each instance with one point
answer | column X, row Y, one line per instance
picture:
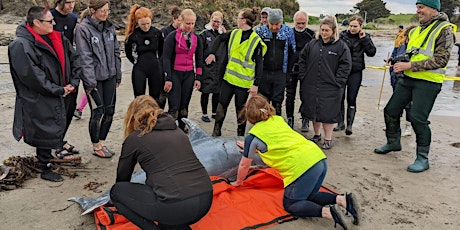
column 391, row 197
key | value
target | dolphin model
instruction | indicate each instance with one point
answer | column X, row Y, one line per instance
column 220, row 157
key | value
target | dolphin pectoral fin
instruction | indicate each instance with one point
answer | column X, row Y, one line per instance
column 195, row 130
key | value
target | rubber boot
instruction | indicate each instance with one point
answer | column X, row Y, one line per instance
column 393, row 134
column 351, row 111
column 277, row 108
column 217, row 129
column 290, row 122
column 340, row 126
column 305, row 123
column 241, row 129
column 421, row 162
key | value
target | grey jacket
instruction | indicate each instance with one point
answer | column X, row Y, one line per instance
column 99, row 51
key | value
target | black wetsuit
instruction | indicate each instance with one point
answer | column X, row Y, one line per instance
column 143, row 49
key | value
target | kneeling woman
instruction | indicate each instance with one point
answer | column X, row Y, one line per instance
column 299, row 161
column 177, row 191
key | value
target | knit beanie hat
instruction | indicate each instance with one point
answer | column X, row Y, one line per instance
column 435, row 4
column 275, row 15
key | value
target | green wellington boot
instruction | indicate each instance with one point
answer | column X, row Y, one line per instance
column 421, row 162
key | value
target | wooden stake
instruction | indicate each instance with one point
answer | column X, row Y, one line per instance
column 383, row 81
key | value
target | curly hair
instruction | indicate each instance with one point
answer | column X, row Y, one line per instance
column 135, row 13
column 257, row 109
column 142, row 115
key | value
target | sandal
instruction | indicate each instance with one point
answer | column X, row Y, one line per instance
column 102, row 153
column 353, row 207
column 71, row 149
column 327, row 144
column 316, row 138
column 63, row 154
column 338, row 217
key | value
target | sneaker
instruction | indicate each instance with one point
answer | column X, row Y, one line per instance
column 49, row 175
column 327, row 144
column 108, row 150
column 304, row 127
column 77, row 114
column 338, row 217
column 205, row 119
column 316, row 138
column 407, row 131
column 102, row 153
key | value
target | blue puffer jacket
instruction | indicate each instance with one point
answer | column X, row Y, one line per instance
column 284, row 34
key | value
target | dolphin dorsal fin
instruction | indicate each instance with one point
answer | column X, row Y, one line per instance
column 195, row 130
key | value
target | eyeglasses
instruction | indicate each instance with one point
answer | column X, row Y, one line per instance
column 300, row 23
column 216, row 21
column 104, row 11
column 49, row 21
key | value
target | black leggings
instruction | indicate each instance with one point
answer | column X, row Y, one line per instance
column 44, row 157
column 139, row 78
column 102, row 104
column 139, row 204
column 180, row 95
column 70, row 102
column 352, row 89
column 205, row 99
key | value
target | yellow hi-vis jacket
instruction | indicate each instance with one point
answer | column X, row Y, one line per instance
column 416, row 38
column 241, row 68
column 287, row 150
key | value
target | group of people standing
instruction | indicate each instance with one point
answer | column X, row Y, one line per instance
column 263, row 62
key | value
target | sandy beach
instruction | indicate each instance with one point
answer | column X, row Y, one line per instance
column 390, row 197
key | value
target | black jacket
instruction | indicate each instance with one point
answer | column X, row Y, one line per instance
column 166, row 155
column 38, row 78
column 358, row 47
column 214, row 72
column 323, row 73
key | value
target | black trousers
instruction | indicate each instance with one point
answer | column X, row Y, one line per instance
column 139, row 204
column 102, row 104
column 291, row 88
column 272, row 86
column 351, row 92
column 204, row 102
column 44, row 157
column 227, row 91
column 70, row 102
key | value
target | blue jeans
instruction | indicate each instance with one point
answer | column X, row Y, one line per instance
column 302, row 197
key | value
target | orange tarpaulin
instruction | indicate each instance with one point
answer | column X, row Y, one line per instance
column 256, row 204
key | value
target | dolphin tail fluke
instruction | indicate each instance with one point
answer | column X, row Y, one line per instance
column 195, row 130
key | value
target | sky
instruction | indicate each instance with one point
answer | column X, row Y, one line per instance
column 332, row 7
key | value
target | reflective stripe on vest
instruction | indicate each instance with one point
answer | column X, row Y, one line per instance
column 287, row 150
column 416, row 37
column 240, row 69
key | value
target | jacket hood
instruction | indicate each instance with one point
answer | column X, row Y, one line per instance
column 441, row 17
column 21, row 31
column 165, row 122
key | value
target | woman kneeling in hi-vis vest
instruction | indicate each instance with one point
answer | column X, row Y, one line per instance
column 299, row 161
column 243, row 70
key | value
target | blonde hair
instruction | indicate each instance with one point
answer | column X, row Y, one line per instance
column 332, row 22
column 218, row 14
column 142, row 115
column 257, row 109
column 135, row 13
column 187, row 12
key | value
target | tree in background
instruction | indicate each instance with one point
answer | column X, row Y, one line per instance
column 371, row 9
column 448, row 7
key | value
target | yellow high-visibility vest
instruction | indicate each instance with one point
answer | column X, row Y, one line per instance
column 241, row 68
column 416, row 38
